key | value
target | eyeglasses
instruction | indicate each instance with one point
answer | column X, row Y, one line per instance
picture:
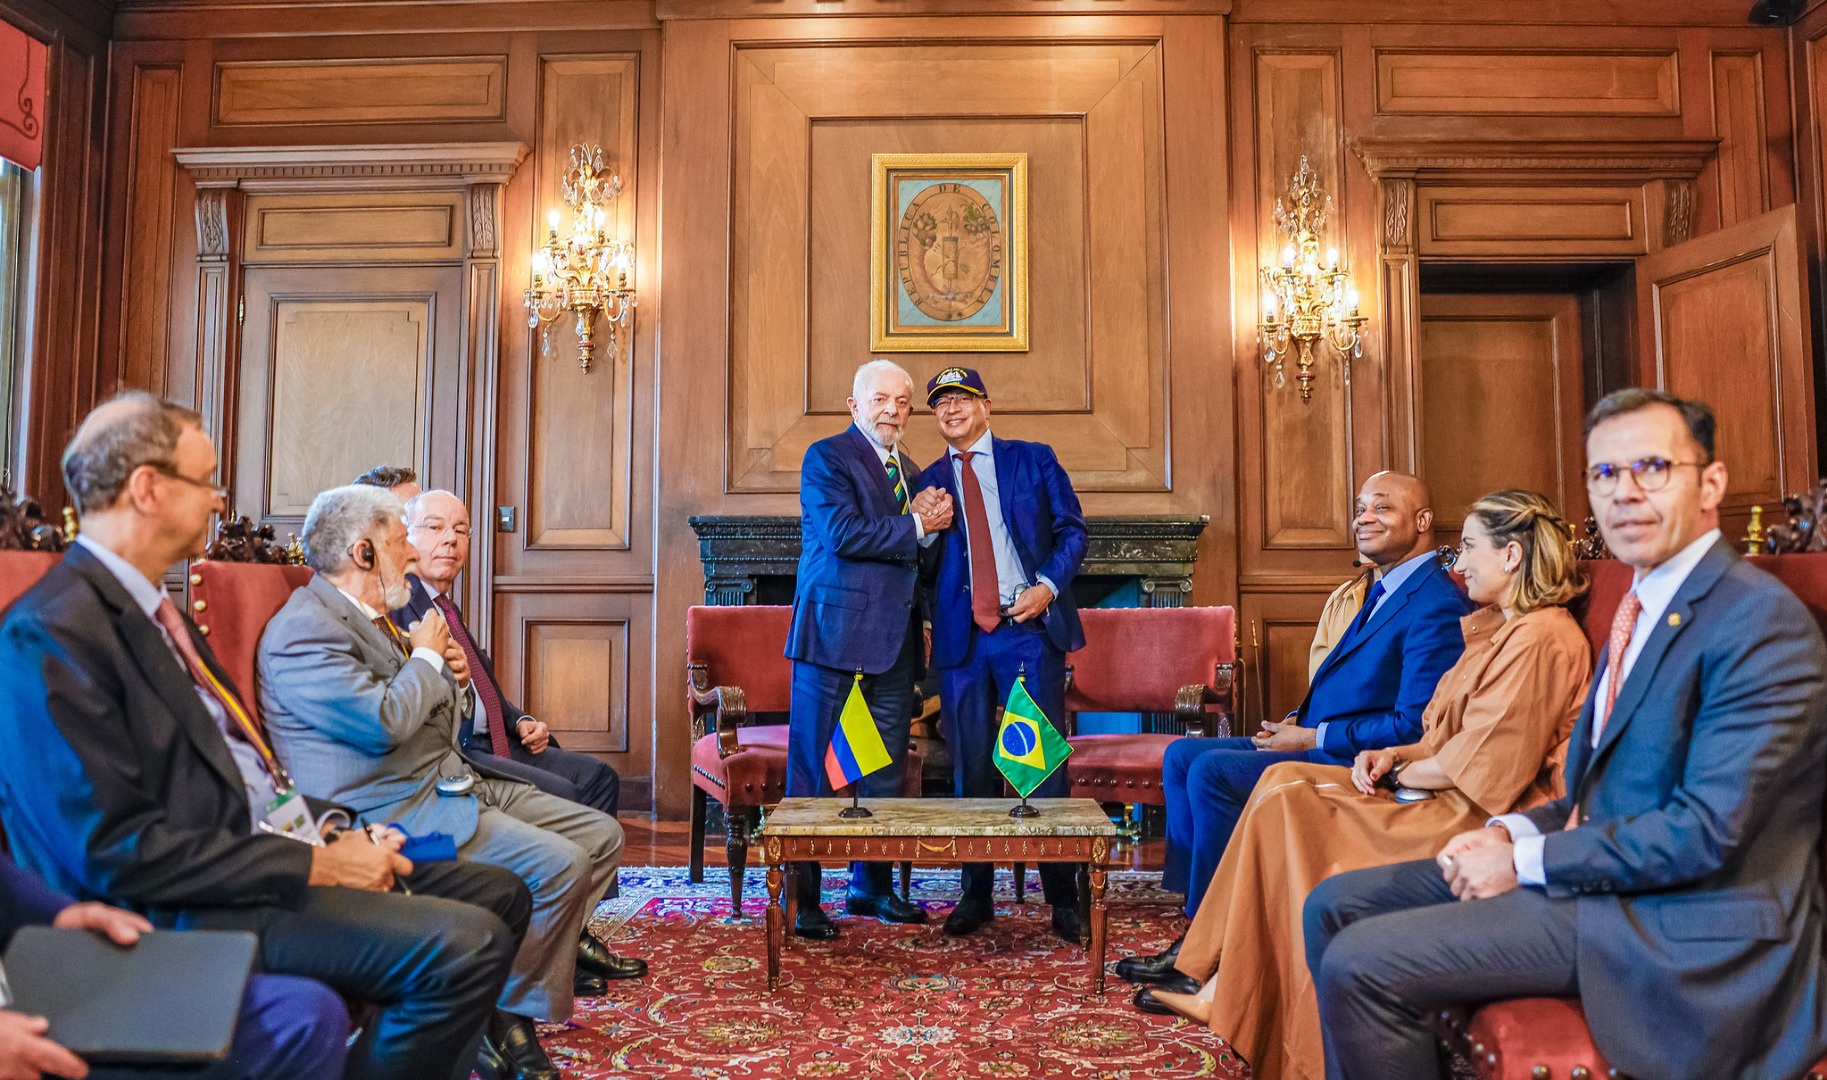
column 1650, row 474
column 171, row 473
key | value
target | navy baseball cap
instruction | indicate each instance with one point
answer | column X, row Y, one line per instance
column 955, row 378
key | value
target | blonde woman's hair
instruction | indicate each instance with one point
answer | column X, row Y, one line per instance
column 1550, row 571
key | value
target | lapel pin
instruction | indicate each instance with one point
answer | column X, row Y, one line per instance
column 1674, row 618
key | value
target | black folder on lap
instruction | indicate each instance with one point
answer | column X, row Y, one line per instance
column 172, row 998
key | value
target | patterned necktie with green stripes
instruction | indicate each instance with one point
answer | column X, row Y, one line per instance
column 893, row 465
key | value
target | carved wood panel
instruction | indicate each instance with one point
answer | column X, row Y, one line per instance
column 343, row 369
column 1560, row 83
column 1500, row 400
column 151, row 198
column 578, row 662
column 805, row 122
column 376, row 227
column 376, row 91
column 1516, row 222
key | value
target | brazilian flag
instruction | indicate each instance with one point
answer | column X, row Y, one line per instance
column 1028, row 748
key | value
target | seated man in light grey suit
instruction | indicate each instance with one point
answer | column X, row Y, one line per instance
column 369, row 716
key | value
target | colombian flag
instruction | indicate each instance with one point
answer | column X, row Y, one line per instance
column 1028, row 748
column 856, row 746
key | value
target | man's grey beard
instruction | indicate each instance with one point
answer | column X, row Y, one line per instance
column 870, row 433
column 396, row 593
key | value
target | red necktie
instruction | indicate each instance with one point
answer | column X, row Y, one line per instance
column 1623, row 625
column 486, row 689
column 985, row 594
column 206, row 680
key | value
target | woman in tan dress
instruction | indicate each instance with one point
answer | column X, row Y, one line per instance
column 1494, row 740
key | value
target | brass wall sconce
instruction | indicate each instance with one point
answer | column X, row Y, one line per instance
column 1303, row 300
column 584, row 271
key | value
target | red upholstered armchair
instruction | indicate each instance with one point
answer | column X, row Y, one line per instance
column 735, row 664
column 20, row 570
column 232, row 603
column 1547, row 1038
column 1153, row 660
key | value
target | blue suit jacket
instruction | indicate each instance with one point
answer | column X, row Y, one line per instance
column 1695, row 870
column 1370, row 693
column 1048, row 529
column 859, row 564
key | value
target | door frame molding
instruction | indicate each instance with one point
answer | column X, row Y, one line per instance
column 1662, row 172
column 225, row 176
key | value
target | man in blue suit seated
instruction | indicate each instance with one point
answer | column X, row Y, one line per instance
column 855, row 612
column 288, row 1026
column 1675, row 888
column 1002, row 606
column 1368, row 693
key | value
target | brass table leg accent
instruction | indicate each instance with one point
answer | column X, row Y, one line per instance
column 1099, row 915
column 776, row 925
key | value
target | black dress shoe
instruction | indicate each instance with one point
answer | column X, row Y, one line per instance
column 971, row 915
column 812, row 923
column 1146, row 1001
column 584, row 984
column 1150, row 970
column 594, row 957
column 512, row 1047
column 885, row 906
column 1066, row 923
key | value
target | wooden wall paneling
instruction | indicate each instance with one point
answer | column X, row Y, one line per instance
column 1302, row 487
column 342, row 92
column 1723, row 319
column 326, row 18
column 381, row 226
column 137, row 329
column 1521, row 222
column 1739, row 122
column 1808, row 60
column 1561, row 83
column 806, row 120
column 1500, row 400
column 1281, row 624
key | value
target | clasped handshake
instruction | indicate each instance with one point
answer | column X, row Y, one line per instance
column 934, row 509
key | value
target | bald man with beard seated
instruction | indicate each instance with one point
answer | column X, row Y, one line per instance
column 1367, row 694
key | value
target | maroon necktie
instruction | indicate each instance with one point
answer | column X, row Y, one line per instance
column 486, row 690
column 985, row 594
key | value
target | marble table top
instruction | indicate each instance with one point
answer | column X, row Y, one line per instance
column 938, row 817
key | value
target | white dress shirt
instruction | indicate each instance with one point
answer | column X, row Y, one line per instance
column 907, row 482
column 1655, row 591
column 1011, row 579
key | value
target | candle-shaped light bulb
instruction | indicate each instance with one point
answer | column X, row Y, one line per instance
column 1287, row 255
column 1268, row 306
column 1332, row 258
column 1351, row 299
column 552, row 219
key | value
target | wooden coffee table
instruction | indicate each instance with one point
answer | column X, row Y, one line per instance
column 946, row 832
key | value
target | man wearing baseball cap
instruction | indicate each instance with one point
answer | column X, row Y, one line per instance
column 1002, row 605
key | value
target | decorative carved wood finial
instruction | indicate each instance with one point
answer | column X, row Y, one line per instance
column 1591, row 545
column 1804, row 530
column 242, row 541
column 70, row 528
column 23, row 527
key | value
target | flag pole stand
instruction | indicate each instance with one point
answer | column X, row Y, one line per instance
column 1023, row 810
column 854, row 810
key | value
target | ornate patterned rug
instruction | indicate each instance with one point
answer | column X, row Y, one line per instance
column 901, row 1002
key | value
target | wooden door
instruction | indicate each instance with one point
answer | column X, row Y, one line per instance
column 342, row 369
column 1724, row 319
column 1499, row 400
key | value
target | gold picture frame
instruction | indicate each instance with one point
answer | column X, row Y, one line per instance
column 948, row 253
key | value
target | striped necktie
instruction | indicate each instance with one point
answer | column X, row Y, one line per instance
column 893, row 465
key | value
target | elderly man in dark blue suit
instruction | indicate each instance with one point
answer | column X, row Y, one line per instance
column 1002, row 605
column 1368, row 694
column 1675, row 887
column 855, row 612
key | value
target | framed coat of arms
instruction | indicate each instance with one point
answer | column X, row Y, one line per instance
column 948, row 253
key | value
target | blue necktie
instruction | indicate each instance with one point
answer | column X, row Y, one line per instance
column 1358, row 624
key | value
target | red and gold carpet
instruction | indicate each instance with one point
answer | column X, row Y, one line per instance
column 881, row 1001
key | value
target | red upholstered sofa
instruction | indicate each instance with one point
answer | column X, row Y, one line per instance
column 735, row 664
column 1152, row 660
column 20, row 570
column 1547, row 1038
column 232, row 603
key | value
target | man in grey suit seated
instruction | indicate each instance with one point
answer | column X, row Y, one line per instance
column 368, row 715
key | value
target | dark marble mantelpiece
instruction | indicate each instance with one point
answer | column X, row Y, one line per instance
column 752, row 560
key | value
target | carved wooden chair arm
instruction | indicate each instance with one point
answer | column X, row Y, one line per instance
column 1190, row 704
column 721, row 709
